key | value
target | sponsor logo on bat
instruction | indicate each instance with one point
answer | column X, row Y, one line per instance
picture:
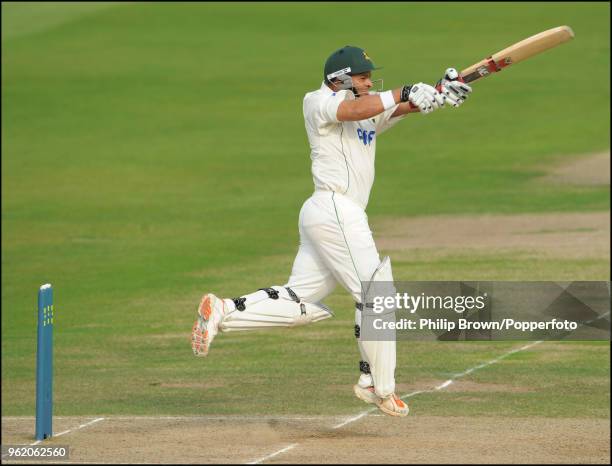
column 482, row 71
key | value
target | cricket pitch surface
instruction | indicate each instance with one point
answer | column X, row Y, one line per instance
column 373, row 438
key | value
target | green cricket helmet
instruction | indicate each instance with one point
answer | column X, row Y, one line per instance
column 346, row 62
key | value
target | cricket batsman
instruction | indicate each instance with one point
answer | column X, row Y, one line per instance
column 343, row 120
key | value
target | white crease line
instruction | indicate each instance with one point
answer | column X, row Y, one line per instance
column 228, row 417
column 71, row 430
column 261, row 460
column 444, row 385
column 599, row 317
column 355, row 418
column 79, row 462
column 90, row 423
column 365, row 413
column 493, row 361
column 439, row 387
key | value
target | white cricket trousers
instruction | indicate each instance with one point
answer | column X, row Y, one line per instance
column 336, row 246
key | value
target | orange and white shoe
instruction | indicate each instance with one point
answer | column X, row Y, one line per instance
column 367, row 394
column 393, row 406
column 210, row 313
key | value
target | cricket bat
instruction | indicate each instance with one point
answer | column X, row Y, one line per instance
column 517, row 52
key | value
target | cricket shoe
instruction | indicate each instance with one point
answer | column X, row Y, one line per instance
column 210, row 314
column 367, row 394
column 393, row 406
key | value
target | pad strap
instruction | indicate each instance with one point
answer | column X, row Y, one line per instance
column 272, row 293
column 239, row 303
column 360, row 306
column 364, row 367
column 292, row 294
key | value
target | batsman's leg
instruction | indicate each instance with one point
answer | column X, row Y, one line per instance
column 344, row 241
column 295, row 303
column 276, row 306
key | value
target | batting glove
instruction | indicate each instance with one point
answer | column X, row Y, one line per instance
column 453, row 88
column 423, row 96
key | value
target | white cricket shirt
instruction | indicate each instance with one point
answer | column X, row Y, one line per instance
column 342, row 152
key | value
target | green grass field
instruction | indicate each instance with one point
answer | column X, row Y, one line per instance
column 153, row 152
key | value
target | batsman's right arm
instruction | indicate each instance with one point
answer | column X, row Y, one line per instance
column 364, row 107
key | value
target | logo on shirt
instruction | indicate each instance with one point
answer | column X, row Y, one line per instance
column 365, row 136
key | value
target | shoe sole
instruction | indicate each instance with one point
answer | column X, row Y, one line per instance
column 205, row 308
column 199, row 340
column 363, row 397
column 378, row 402
column 390, row 412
